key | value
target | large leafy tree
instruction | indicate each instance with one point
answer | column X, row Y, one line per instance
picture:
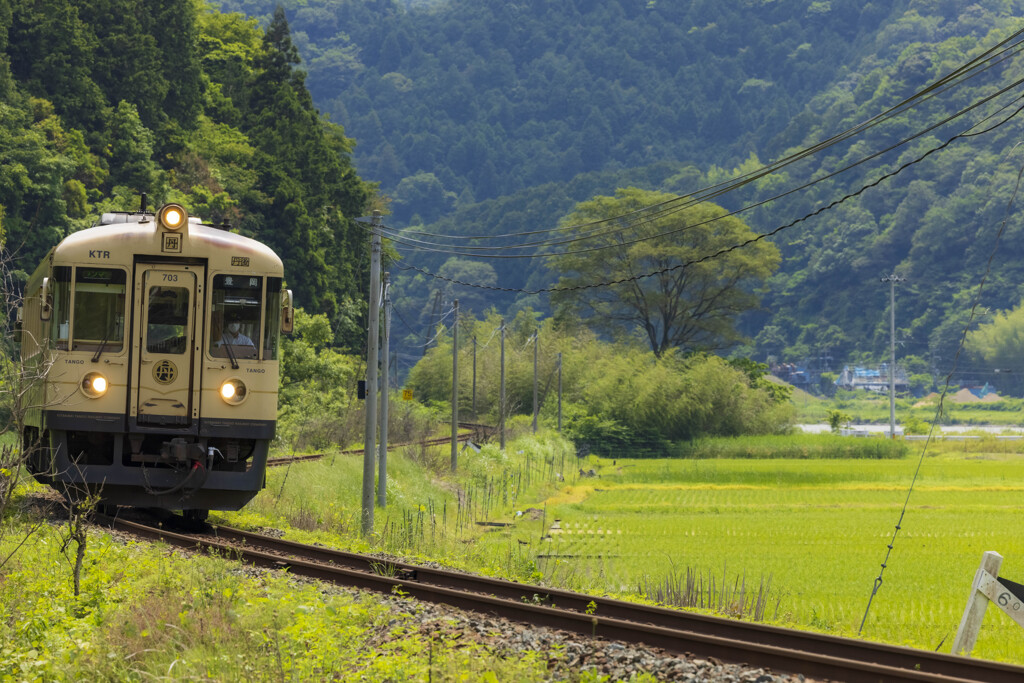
column 665, row 291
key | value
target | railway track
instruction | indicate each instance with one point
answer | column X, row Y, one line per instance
column 304, row 457
column 783, row 650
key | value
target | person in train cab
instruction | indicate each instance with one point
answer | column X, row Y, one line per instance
column 233, row 335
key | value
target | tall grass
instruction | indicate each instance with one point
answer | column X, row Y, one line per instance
column 430, row 513
column 703, row 590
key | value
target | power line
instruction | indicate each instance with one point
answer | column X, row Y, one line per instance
column 669, row 209
column 945, row 389
column 993, row 56
column 721, row 252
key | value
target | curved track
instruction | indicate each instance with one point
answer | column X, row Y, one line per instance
column 784, row 650
column 438, row 441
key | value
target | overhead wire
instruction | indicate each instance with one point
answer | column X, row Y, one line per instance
column 478, row 252
column 726, row 214
column 725, row 250
column 968, row 70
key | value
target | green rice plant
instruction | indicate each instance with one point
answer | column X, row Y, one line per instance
column 819, row 528
column 816, row 446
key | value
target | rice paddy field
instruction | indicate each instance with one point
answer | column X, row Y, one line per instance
column 804, row 538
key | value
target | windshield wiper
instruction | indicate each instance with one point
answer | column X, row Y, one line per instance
column 103, row 344
column 231, row 355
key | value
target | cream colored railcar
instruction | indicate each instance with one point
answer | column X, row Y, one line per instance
column 155, row 340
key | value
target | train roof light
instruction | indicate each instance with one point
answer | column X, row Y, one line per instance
column 172, row 216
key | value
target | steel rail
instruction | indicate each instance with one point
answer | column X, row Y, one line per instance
column 304, row 457
column 810, row 654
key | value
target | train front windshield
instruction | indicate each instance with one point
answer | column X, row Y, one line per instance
column 94, row 302
column 238, row 326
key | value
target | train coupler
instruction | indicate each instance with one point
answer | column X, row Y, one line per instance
column 179, row 450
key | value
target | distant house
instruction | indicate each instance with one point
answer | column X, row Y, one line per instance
column 794, row 374
column 872, row 378
column 805, row 374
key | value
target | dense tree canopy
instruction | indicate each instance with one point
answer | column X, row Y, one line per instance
column 498, row 118
column 493, row 97
column 104, row 100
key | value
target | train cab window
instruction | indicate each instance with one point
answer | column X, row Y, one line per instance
column 235, row 316
column 167, row 320
column 60, row 320
column 99, row 310
column 272, row 328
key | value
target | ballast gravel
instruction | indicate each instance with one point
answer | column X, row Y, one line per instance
column 570, row 654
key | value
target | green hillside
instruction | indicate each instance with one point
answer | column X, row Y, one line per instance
column 497, row 118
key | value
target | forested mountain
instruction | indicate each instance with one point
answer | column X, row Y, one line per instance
column 104, row 100
column 497, row 118
column 493, row 97
column 486, row 118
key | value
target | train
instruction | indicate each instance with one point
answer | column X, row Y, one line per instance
column 150, row 347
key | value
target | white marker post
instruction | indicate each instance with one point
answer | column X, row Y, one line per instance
column 1007, row 595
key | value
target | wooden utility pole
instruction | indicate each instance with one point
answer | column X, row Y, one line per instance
column 559, row 392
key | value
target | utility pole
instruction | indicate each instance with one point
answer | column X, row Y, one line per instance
column 501, row 394
column 382, row 467
column 536, row 344
column 474, row 379
column 373, row 335
column 892, row 280
column 559, row 392
column 455, row 389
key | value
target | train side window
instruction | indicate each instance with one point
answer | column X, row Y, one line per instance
column 60, row 319
column 272, row 326
column 235, row 316
column 99, row 309
column 167, row 321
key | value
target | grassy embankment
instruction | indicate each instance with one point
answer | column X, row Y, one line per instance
column 148, row 612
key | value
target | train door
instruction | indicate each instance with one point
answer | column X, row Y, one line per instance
column 168, row 325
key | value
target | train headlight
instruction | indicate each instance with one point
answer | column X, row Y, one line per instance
column 233, row 391
column 172, row 216
column 94, row 385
